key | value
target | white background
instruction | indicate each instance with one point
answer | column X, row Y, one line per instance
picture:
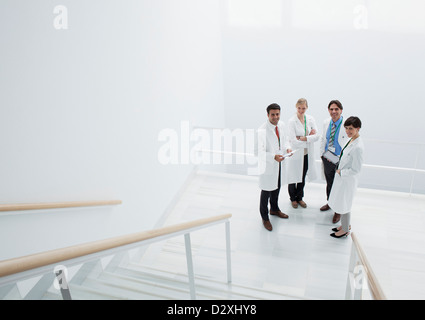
column 81, row 108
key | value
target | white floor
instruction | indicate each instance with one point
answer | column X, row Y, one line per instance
column 298, row 257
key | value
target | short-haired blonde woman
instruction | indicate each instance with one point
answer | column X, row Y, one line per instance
column 302, row 134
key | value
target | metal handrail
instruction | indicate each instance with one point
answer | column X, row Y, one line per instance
column 317, row 160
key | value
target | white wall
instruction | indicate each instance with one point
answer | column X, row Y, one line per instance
column 81, row 110
column 319, row 50
column 367, row 54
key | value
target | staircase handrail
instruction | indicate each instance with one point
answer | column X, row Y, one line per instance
column 38, row 260
column 375, row 289
column 55, row 205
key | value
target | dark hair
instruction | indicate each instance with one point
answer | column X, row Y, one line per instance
column 273, row 106
column 339, row 104
column 353, row 121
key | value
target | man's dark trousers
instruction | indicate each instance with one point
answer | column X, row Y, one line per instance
column 274, row 198
column 329, row 169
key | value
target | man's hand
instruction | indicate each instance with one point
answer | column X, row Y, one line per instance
column 278, row 158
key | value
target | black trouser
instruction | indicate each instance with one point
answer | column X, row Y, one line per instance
column 329, row 169
column 274, row 198
column 296, row 190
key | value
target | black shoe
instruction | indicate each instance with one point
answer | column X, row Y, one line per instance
column 343, row 235
column 336, row 229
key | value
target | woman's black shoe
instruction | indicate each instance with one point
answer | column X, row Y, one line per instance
column 336, row 229
column 343, row 235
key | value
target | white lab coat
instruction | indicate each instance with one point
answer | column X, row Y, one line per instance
column 345, row 185
column 294, row 167
column 342, row 139
column 268, row 146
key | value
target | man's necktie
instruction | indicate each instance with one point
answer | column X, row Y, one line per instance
column 332, row 136
column 278, row 137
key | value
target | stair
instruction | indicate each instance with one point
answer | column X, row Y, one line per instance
column 159, row 273
column 206, row 289
column 134, row 281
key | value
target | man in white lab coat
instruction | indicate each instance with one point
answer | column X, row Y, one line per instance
column 333, row 140
column 272, row 145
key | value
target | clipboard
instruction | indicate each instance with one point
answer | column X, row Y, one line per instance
column 330, row 156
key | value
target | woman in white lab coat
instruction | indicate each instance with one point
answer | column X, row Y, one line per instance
column 302, row 134
column 346, row 177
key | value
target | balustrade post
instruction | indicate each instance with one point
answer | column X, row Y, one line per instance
column 63, row 284
column 228, row 253
column 190, row 266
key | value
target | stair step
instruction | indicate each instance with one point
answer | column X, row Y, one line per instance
column 151, row 286
column 49, row 295
column 10, row 292
column 137, row 282
column 203, row 285
column 119, row 290
column 94, row 289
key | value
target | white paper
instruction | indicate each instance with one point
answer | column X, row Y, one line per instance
column 290, row 153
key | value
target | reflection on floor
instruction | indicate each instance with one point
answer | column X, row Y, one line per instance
column 298, row 257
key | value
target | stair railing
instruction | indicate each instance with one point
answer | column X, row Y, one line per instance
column 56, row 205
column 361, row 276
column 17, row 269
